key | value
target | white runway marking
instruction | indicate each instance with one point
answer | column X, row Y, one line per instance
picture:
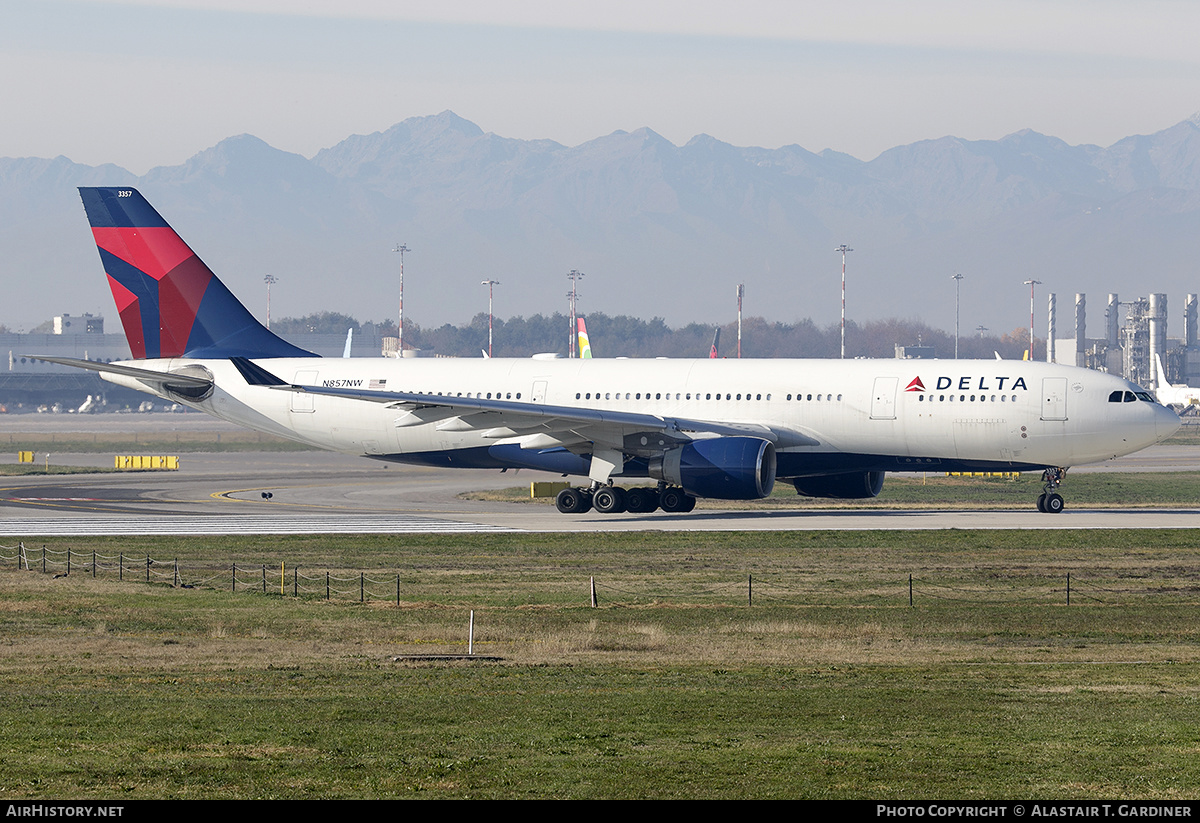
column 188, row 524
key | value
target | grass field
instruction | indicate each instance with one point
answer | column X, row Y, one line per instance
column 829, row 685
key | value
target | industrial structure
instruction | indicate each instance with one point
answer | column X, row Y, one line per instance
column 1135, row 332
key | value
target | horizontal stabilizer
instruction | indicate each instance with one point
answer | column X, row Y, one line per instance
column 157, row 377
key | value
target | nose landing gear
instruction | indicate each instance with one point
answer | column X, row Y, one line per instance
column 1050, row 501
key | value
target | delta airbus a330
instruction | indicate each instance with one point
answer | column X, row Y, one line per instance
column 724, row 429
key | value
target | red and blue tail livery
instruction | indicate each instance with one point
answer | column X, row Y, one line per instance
column 170, row 303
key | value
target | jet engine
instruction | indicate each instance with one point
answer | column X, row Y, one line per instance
column 726, row 468
column 852, row 486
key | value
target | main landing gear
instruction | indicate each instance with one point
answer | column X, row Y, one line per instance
column 613, row 499
column 1050, row 501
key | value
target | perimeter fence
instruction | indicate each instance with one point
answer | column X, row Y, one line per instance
column 1014, row 588
column 234, row 577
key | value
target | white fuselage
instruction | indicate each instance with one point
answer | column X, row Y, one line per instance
column 893, row 415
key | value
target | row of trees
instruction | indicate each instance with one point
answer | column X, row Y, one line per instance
column 625, row 336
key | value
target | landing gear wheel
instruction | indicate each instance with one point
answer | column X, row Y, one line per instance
column 609, row 500
column 572, row 501
column 1051, row 502
column 641, row 500
column 676, row 500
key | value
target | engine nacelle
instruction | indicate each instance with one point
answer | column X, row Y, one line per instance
column 853, row 486
column 727, row 468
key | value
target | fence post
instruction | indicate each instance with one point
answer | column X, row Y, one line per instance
column 592, row 580
column 910, row 591
column 233, row 581
column 295, row 581
column 361, row 587
column 326, row 585
column 750, row 590
column 93, row 564
column 264, row 575
column 1068, row 588
column 177, row 572
column 147, row 568
column 121, row 566
column 397, row 590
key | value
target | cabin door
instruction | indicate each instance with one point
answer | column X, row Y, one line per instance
column 302, row 401
column 883, row 398
column 1054, row 398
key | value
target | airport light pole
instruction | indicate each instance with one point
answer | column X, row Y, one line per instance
column 981, row 330
column 573, row 294
column 269, row 280
column 1031, row 284
column 957, row 278
column 490, row 283
column 843, row 249
column 401, row 248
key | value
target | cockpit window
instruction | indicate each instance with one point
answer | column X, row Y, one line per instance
column 1130, row 397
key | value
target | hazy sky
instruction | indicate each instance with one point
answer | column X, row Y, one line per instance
column 151, row 83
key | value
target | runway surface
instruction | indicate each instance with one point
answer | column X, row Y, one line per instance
column 321, row 492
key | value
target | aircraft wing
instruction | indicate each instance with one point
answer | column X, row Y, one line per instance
column 516, row 419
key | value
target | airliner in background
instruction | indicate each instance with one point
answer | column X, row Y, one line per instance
column 714, row 428
column 1173, row 394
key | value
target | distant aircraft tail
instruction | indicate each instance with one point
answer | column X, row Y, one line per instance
column 585, row 348
column 170, row 303
column 1160, row 374
column 712, row 352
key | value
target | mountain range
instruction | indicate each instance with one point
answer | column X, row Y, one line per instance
column 659, row 230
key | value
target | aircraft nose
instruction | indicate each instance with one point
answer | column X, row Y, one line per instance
column 1166, row 423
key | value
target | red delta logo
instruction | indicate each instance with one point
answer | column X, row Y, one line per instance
column 915, row 385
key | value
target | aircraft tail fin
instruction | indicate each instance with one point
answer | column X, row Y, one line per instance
column 712, row 352
column 585, row 347
column 170, row 303
column 1160, row 374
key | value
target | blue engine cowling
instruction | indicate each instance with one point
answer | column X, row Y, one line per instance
column 727, row 468
column 851, row 486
